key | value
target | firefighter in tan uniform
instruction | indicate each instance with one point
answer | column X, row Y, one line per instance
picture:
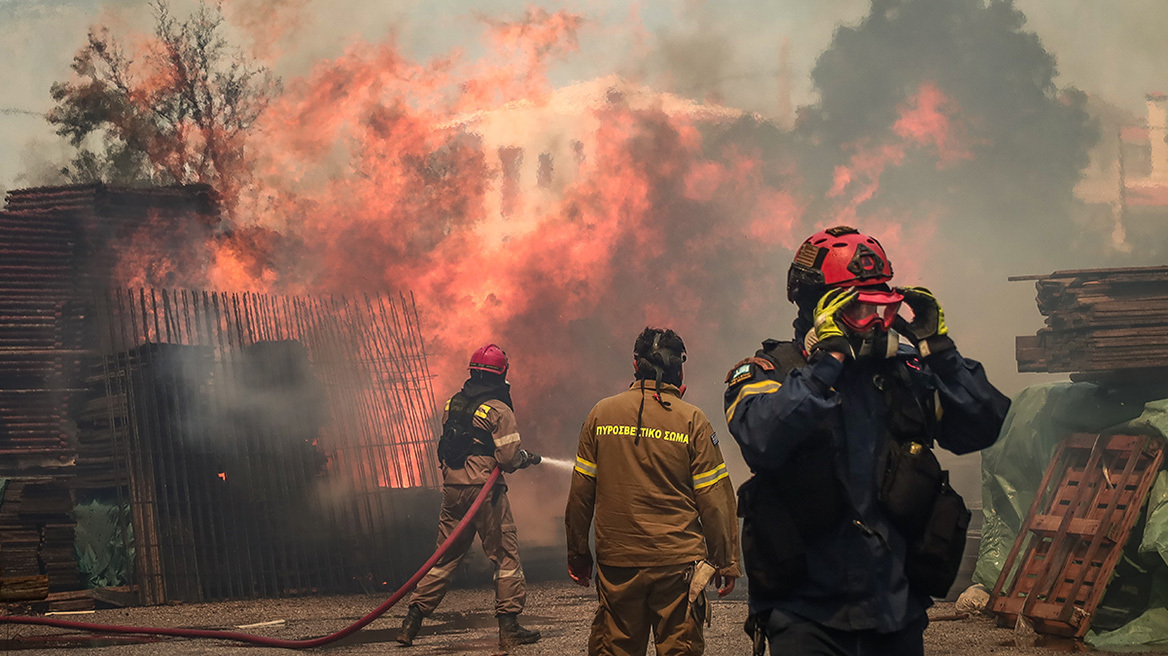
column 479, row 431
column 649, row 469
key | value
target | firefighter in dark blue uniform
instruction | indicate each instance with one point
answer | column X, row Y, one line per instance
column 849, row 523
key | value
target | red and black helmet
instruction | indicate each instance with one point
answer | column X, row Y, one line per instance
column 837, row 257
column 489, row 358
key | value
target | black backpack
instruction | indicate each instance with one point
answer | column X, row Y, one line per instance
column 460, row 437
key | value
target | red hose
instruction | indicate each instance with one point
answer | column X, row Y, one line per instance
column 278, row 642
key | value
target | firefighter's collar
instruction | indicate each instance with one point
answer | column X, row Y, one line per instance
column 651, row 386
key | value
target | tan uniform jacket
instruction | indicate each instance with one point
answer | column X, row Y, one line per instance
column 496, row 418
column 666, row 500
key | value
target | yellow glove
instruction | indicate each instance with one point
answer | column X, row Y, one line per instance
column 827, row 333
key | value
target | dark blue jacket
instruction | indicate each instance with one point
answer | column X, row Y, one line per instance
column 855, row 571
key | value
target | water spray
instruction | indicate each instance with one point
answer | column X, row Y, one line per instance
column 559, row 463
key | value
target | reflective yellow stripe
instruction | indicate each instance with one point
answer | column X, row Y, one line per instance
column 447, row 404
column 761, row 387
column 585, row 467
column 481, row 413
column 709, row 478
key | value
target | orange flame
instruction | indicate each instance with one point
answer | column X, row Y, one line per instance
column 555, row 222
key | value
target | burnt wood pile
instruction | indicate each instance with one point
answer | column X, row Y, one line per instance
column 37, row 346
column 1100, row 323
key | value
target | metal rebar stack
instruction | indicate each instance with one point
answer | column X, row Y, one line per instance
column 272, row 445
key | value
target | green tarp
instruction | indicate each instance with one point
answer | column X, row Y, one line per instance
column 104, row 539
column 1012, row 469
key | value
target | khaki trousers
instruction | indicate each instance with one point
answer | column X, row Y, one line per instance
column 635, row 600
column 496, row 529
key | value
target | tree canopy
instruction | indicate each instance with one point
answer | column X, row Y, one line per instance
column 176, row 109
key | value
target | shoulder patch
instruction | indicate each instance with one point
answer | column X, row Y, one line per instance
column 742, row 371
column 714, row 438
column 738, row 375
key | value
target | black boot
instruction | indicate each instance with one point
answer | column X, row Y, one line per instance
column 511, row 634
column 410, row 626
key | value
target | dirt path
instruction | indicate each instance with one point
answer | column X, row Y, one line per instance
column 464, row 624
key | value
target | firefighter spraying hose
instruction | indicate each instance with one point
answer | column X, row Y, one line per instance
column 479, row 434
column 480, row 441
column 307, row 643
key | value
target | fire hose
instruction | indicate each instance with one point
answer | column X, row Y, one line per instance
column 265, row 641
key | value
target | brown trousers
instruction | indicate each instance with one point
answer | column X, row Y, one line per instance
column 634, row 600
column 496, row 530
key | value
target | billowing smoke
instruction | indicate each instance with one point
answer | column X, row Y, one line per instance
column 1023, row 141
column 560, row 221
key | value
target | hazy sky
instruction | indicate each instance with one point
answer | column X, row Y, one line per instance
column 1114, row 49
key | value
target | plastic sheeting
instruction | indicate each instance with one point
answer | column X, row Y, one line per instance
column 1039, row 418
column 104, row 539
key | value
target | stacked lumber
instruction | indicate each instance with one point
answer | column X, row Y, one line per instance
column 1099, row 322
column 19, row 541
column 37, row 545
column 57, row 245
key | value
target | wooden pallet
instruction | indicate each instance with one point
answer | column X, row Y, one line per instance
column 1075, row 531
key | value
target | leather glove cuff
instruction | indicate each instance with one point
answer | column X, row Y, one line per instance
column 837, row 343
column 935, row 344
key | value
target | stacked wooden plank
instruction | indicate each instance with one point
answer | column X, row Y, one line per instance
column 37, row 287
column 103, row 413
column 37, row 561
column 57, row 244
column 19, row 541
column 1099, row 322
column 48, row 506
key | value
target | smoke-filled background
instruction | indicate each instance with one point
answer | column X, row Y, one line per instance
column 555, row 177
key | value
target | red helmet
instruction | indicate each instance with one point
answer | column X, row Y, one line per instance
column 489, row 358
column 837, row 257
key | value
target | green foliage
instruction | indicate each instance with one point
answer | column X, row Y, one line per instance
column 177, row 111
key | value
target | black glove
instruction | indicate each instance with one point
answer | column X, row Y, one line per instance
column 927, row 330
column 529, row 458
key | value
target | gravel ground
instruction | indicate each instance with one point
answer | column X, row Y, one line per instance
column 464, row 624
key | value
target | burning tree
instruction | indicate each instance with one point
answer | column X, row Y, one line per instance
column 176, row 110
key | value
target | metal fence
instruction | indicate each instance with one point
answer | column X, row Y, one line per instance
column 265, row 445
